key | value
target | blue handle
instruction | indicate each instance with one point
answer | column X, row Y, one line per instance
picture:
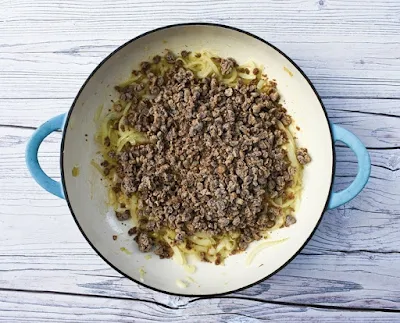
column 364, row 167
column 31, row 155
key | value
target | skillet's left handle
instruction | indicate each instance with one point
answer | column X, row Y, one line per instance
column 364, row 167
column 31, row 155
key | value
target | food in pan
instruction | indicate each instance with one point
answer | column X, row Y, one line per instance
column 198, row 152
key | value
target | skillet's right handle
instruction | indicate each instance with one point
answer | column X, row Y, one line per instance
column 364, row 167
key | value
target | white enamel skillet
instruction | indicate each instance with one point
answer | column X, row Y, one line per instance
column 86, row 195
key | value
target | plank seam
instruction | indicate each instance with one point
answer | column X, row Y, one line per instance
column 326, row 307
column 367, row 112
column 281, row 303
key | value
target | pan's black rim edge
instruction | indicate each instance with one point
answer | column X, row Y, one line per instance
column 72, row 108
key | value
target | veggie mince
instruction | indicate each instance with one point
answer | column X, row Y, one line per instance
column 198, row 152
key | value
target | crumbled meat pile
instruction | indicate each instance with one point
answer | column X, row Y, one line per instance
column 215, row 155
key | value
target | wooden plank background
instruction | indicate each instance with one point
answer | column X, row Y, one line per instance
column 349, row 271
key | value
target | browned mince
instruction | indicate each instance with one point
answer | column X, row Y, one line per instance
column 215, row 155
column 302, row 156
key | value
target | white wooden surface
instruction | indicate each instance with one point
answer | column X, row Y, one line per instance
column 350, row 270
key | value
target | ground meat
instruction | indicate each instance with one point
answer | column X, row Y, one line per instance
column 144, row 66
column 290, row 220
column 117, row 107
column 123, row 216
column 215, row 154
column 180, row 237
column 170, row 57
column 227, row 65
column 185, row 53
column 144, row 241
column 132, row 231
column 163, row 250
column 302, row 156
column 274, row 96
column 112, row 154
column 156, row 59
column 218, row 259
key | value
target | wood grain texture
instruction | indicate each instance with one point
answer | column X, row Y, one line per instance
column 320, row 21
column 348, row 272
column 20, row 306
